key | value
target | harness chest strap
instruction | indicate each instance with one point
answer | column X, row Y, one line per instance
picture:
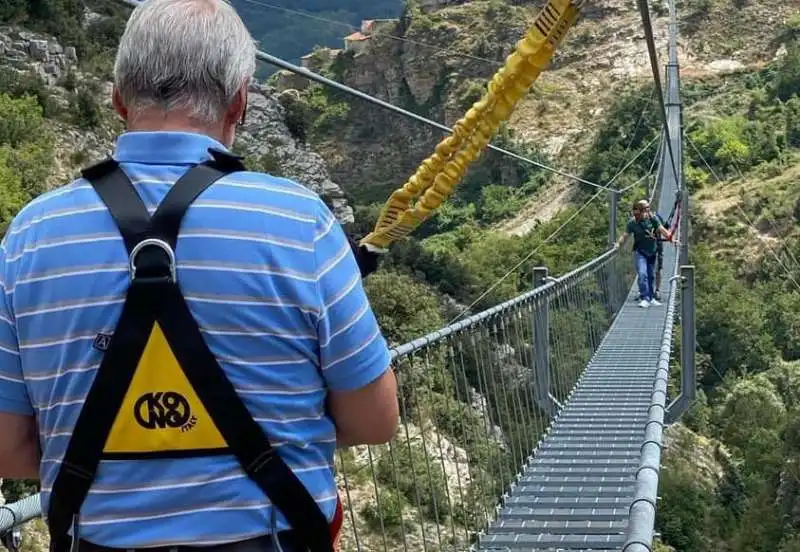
column 159, row 391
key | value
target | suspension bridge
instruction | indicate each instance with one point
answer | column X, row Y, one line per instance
column 560, row 399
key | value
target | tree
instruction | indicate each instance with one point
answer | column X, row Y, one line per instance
column 684, row 509
column 787, row 83
column 11, row 196
column 20, row 120
column 405, row 309
column 734, row 333
column 792, row 113
column 85, row 108
column 751, row 419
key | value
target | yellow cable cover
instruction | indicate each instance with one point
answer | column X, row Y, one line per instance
column 438, row 175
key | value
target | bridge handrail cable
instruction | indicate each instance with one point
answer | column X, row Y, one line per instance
column 549, row 289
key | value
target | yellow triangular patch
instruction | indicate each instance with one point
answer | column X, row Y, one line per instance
column 161, row 410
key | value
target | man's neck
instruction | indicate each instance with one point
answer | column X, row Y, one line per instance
column 155, row 121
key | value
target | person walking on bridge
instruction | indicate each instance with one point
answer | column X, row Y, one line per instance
column 184, row 343
column 645, row 230
column 659, row 251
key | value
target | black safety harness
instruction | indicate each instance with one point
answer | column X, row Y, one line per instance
column 674, row 214
column 154, row 298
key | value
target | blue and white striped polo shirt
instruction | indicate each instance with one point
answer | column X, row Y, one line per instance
column 268, row 274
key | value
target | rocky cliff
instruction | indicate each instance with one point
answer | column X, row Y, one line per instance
column 26, row 51
column 436, row 62
column 265, row 136
column 39, row 57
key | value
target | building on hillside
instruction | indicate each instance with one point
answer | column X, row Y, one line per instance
column 355, row 42
column 320, row 57
column 305, row 61
column 371, row 27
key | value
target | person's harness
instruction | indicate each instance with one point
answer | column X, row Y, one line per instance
column 675, row 213
column 367, row 260
column 159, row 391
column 649, row 256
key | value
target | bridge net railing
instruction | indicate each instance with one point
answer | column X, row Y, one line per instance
column 473, row 411
column 475, row 400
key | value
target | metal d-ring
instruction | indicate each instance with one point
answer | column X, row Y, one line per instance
column 161, row 244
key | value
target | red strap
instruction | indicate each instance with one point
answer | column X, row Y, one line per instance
column 336, row 524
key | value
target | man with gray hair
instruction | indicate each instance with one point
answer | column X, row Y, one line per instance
column 184, row 343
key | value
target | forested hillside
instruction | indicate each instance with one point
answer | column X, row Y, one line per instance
column 730, row 482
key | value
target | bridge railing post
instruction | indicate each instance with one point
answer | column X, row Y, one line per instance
column 613, row 198
column 688, row 338
column 541, row 347
column 684, row 229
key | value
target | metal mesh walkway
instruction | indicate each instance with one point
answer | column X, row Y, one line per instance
column 576, row 493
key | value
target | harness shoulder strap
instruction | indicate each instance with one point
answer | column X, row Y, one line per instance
column 366, row 260
column 126, row 206
column 121, row 412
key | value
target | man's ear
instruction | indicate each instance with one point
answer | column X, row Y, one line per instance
column 119, row 105
column 237, row 111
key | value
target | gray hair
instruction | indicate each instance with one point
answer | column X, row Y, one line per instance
column 190, row 54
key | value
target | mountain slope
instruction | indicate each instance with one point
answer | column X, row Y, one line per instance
column 440, row 61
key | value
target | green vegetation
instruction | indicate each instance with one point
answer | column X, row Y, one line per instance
column 745, row 127
column 386, row 516
column 95, row 41
column 754, row 122
column 26, row 154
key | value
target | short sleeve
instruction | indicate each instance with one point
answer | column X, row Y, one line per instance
column 353, row 352
column 14, row 397
column 629, row 228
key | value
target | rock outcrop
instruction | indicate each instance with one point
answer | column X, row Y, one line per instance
column 705, row 457
column 265, row 133
column 26, row 51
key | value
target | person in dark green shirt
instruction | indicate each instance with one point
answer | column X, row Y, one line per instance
column 645, row 230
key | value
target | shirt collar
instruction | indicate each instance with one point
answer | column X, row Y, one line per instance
column 165, row 148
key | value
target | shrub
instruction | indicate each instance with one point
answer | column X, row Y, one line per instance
column 386, row 517
column 85, row 109
column 787, row 83
column 20, row 119
column 419, row 479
